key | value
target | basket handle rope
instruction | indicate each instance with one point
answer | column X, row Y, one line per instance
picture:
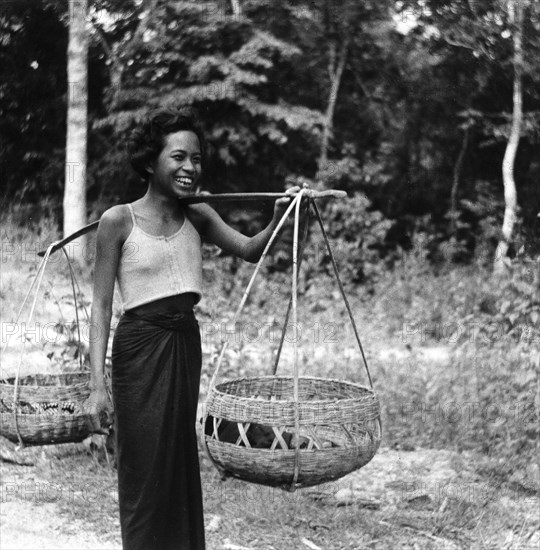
column 73, row 283
column 37, row 284
column 273, row 237
column 287, row 314
column 336, row 272
column 340, row 284
column 294, row 296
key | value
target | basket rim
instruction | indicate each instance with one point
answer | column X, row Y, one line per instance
column 217, row 387
column 6, row 381
column 61, row 414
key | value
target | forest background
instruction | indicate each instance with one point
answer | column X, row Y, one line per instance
column 411, row 107
column 405, row 105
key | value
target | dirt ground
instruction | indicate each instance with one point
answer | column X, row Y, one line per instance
column 406, row 497
column 29, row 525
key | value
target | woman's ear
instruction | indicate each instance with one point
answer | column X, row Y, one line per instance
column 149, row 168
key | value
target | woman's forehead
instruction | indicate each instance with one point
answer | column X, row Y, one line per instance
column 185, row 140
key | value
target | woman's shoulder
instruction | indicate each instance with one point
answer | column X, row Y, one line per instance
column 199, row 215
column 116, row 221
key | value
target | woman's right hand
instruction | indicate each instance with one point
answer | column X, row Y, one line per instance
column 99, row 411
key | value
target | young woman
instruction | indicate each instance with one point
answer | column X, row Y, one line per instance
column 152, row 247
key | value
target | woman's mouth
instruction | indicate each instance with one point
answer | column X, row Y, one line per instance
column 184, row 181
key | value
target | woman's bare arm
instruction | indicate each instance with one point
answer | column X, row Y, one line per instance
column 216, row 231
column 111, row 235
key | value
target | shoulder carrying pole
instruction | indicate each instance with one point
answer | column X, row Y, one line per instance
column 204, row 198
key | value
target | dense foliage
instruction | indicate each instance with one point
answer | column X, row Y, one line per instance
column 421, row 82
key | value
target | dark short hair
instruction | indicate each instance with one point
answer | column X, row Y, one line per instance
column 148, row 139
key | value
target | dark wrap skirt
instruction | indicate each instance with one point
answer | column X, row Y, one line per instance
column 156, row 367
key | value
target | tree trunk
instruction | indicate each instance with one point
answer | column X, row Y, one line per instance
column 335, row 74
column 458, row 168
column 77, row 119
column 236, row 8
column 117, row 66
column 510, row 196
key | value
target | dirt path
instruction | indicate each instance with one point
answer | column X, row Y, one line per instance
column 406, row 496
column 29, row 525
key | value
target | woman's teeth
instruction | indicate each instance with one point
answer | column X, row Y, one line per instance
column 184, row 182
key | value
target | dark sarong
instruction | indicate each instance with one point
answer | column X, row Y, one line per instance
column 155, row 381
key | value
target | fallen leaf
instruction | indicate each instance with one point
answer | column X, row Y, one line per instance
column 310, row 544
column 213, row 524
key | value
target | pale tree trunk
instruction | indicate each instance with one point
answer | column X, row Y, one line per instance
column 515, row 8
column 77, row 119
column 458, row 169
column 335, row 71
column 236, row 8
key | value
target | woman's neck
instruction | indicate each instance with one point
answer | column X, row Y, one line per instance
column 161, row 203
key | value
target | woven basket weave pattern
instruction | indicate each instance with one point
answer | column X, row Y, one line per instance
column 269, row 400
column 341, row 414
column 275, row 468
column 48, row 408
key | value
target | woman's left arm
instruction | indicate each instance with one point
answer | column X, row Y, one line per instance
column 216, row 231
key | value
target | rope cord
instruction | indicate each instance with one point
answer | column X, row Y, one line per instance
column 250, row 284
column 295, row 324
column 287, row 314
column 80, row 293
column 72, row 274
column 34, row 281
column 340, row 284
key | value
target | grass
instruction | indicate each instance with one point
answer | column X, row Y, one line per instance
column 441, row 402
column 468, row 512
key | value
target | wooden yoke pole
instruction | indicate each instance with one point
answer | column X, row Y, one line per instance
column 220, row 197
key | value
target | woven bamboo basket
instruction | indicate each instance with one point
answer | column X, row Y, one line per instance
column 315, row 429
column 47, row 410
column 339, row 432
column 44, row 409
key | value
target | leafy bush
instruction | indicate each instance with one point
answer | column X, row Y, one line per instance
column 357, row 234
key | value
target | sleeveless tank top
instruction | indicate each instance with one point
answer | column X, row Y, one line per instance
column 154, row 267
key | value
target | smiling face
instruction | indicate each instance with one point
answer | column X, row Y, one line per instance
column 178, row 167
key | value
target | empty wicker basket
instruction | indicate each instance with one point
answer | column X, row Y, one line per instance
column 315, row 430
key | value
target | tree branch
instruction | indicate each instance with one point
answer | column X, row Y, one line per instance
column 104, row 42
column 452, row 42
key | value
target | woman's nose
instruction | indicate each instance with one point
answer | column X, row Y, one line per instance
column 188, row 166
